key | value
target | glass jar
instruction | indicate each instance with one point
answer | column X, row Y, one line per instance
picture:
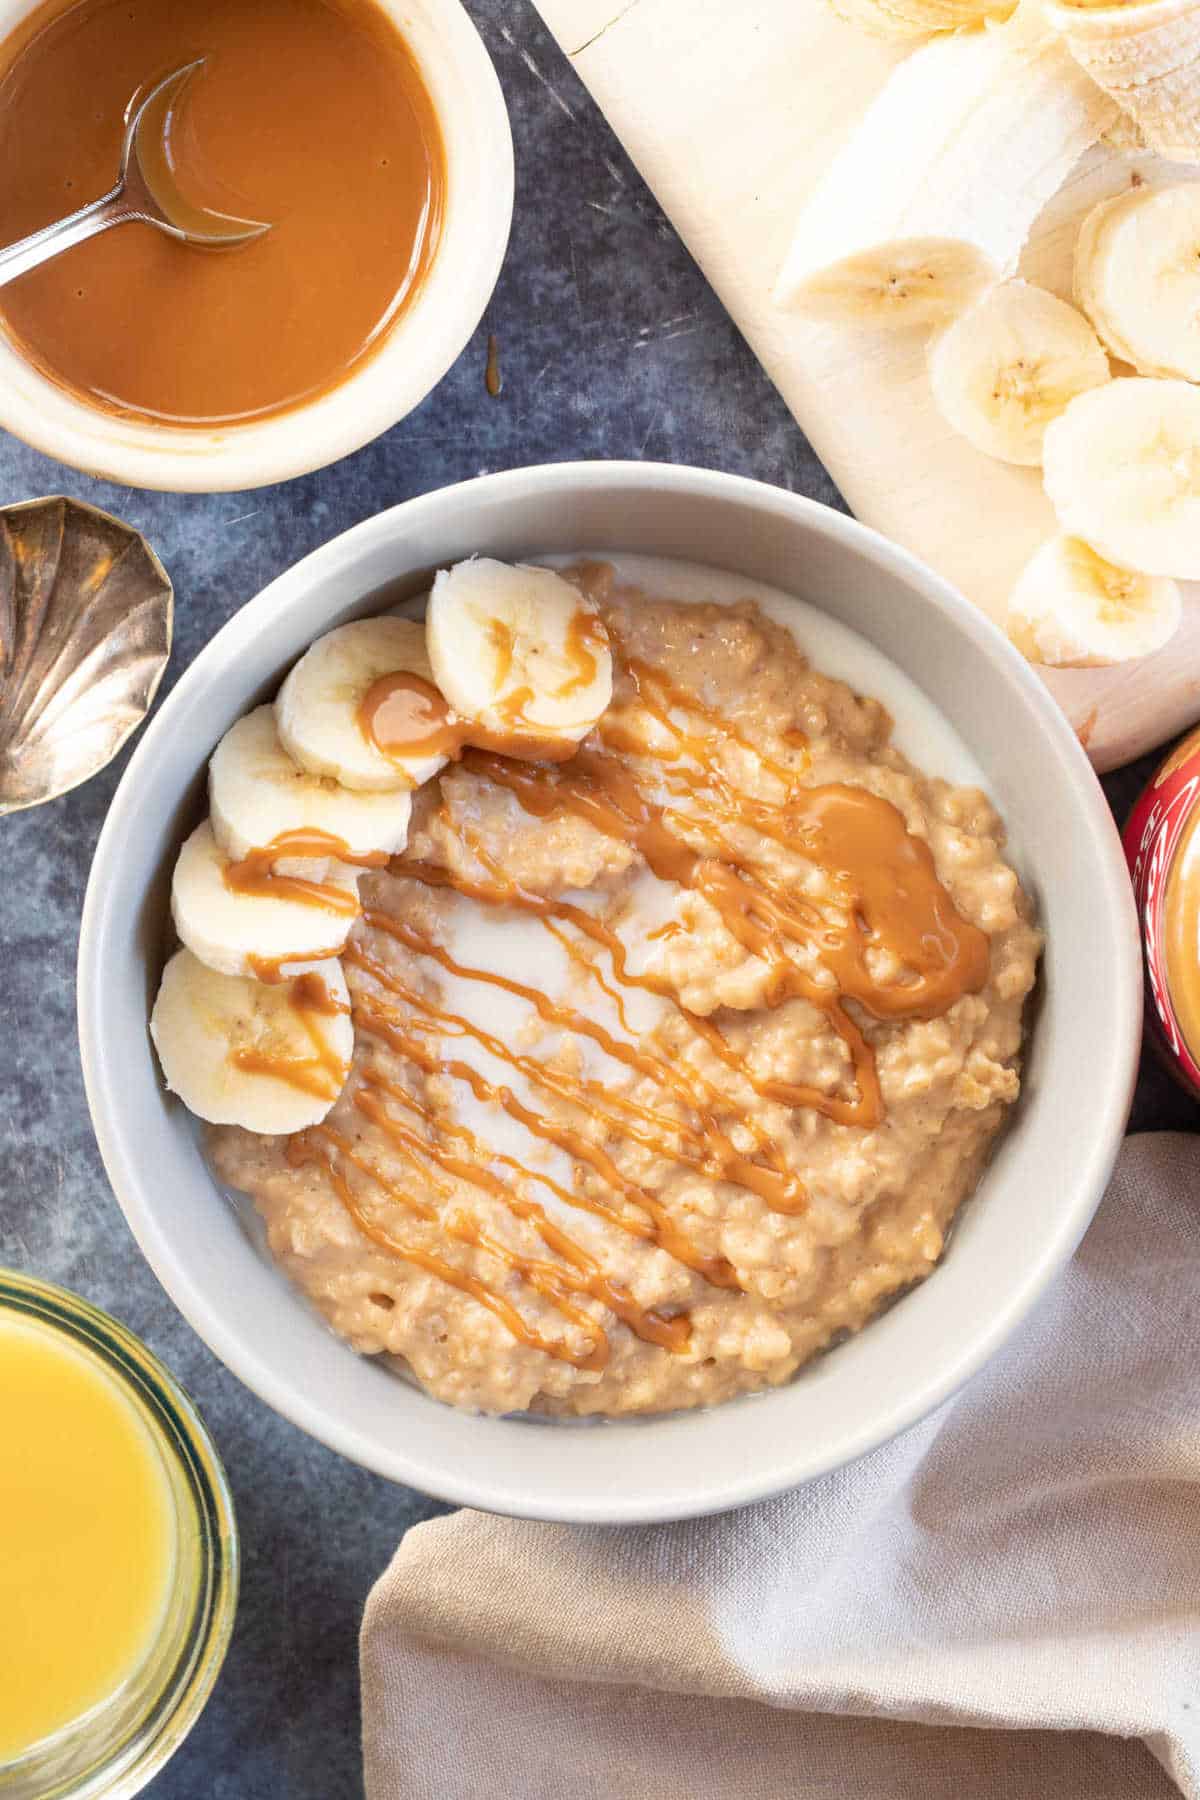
column 1162, row 845
column 115, row 1749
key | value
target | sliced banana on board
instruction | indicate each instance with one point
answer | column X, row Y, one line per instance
column 934, row 195
column 346, row 681
column 1122, row 469
column 271, row 1059
column 519, row 654
column 248, row 931
column 1137, row 276
column 1073, row 610
column 1010, row 364
column 918, row 18
column 260, row 799
column 1146, row 55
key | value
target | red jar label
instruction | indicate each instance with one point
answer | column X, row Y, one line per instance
column 1151, row 837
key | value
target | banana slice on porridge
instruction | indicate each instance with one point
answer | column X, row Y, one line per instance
column 261, row 801
column 520, row 655
column 238, row 1052
column 243, row 919
column 362, row 707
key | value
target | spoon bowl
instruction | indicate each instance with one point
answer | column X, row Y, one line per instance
column 148, row 172
column 146, row 191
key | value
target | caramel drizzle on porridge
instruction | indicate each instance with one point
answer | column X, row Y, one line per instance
column 586, row 635
column 554, row 914
column 581, row 1276
column 886, row 883
column 411, row 1037
column 710, row 1149
column 765, row 1176
column 892, row 942
column 310, row 1146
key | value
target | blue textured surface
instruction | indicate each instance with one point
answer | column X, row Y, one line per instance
column 610, row 345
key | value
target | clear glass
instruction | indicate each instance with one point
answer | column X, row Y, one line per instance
column 115, row 1749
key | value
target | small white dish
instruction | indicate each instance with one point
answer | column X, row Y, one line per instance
column 380, row 390
column 1036, row 1197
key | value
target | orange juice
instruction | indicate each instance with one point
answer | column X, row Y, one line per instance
column 87, row 1535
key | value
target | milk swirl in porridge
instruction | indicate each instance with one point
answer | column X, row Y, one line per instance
column 670, row 1059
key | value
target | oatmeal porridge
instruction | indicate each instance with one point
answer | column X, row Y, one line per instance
column 672, row 1061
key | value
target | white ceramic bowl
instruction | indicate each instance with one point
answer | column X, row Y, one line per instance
column 413, row 355
column 1033, row 1204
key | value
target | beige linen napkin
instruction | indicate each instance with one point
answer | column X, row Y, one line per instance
column 1023, row 1566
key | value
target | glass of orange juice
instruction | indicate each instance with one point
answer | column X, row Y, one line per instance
column 118, row 1552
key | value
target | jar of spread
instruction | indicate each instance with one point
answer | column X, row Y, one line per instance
column 1162, row 846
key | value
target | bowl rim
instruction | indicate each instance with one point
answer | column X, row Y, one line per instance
column 180, row 1433
column 383, row 386
column 1116, row 1066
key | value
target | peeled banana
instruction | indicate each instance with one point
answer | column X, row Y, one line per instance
column 933, row 197
column 1072, row 609
column 1146, row 55
column 1122, row 469
column 1137, row 276
column 1010, row 364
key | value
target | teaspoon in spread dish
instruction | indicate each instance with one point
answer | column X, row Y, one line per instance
column 145, row 191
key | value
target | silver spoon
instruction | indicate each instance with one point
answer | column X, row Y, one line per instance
column 145, row 191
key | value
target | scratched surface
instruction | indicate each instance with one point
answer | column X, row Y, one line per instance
column 609, row 344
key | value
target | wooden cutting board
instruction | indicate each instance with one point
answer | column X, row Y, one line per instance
column 731, row 109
